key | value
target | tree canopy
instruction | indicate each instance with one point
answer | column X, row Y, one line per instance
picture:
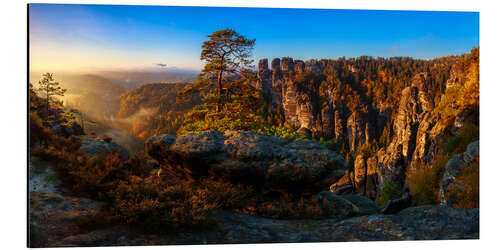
column 229, row 101
column 227, row 58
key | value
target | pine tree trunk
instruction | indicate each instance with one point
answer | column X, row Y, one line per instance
column 219, row 91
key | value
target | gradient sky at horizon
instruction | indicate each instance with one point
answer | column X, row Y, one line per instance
column 116, row 37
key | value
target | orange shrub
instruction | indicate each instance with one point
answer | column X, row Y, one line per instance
column 97, row 175
column 288, row 207
column 423, row 184
column 424, row 180
column 160, row 203
column 466, row 193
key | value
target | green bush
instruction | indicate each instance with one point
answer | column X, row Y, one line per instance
column 391, row 190
column 452, row 144
column 330, row 144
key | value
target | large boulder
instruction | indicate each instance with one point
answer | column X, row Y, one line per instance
column 396, row 205
column 66, row 131
column 344, row 183
column 95, row 147
column 250, row 158
column 432, row 222
column 345, row 206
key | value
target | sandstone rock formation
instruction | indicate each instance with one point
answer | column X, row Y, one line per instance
column 396, row 205
column 455, row 74
column 365, row 176
column 415, row 223
column 66, row 131
column 247, row 157
column 95, row 147
column 454, row 168
column 287, row 91
column 416, row 130
column 416, row 135
column 412, row 124
column 344, row 206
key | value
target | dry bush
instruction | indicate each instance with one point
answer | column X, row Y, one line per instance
column 288, row 207
column 140, row 197
column 138, row 165
column 37, row 133
column 423, row 182
column 163, row 203
column 97, row 175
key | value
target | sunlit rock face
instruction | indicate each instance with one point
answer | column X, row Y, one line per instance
column 289, row 89
column 308, row 102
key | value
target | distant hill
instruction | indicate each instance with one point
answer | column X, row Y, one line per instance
column 152, row 108
column 97, row 94
column 134, row 79
column 161, row 96
column 93, row 94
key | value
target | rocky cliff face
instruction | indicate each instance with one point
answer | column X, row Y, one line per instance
column 291, row 88
column 411, row 126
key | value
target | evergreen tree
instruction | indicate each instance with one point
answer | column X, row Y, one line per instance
column 227, row 58
column 230, row 102
column 49, row 88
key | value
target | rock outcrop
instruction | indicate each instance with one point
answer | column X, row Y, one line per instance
column 415, row 223
column 416, row 136
column 412, row 124
column 396, row 205
column 52, row 214
column 345, row 206
column 456, row 73
column 454, row 169
column 94, row 147
column 288, row 90
column 365, row 176
column 66, row 131
column 251, row 158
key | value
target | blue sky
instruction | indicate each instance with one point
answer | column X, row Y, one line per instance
column 85, row 37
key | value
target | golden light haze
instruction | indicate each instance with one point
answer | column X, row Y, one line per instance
column 57, row 56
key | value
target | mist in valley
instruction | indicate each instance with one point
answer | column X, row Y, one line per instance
column 97, row 97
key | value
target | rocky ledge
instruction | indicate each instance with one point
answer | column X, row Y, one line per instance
column 416, row 223
column 94, row 147
column 250, row 158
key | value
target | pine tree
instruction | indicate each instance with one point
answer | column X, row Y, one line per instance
column 230, row 102
column 49, row 88
column 227, row 58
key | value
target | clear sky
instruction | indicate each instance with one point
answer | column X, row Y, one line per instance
column 111, row 37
